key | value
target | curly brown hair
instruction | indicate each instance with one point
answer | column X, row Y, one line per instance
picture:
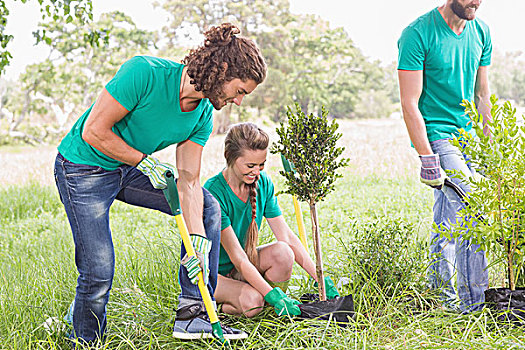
column 224, row 57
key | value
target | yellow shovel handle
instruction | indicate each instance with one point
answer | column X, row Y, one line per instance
column 205, row 293
column 172, row 196
column 300, row 223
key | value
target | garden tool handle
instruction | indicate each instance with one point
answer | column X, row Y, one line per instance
column 461, row 194
column 300, row 222
column 289, row 168
column 459, row 191
column 172, row 196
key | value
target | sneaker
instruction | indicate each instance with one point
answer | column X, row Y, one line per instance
column 192, row 322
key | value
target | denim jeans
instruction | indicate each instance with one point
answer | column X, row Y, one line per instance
column 87, row 193
column 457, row 255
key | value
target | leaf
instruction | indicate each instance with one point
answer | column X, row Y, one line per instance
column 308, row 141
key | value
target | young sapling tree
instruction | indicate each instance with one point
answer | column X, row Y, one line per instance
column 499, row 155
column 309, row 143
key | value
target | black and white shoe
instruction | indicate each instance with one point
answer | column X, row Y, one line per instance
column 192, row 322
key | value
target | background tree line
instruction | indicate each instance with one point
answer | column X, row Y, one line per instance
column 309, row 63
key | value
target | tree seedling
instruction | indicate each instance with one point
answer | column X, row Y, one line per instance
column 309, row 143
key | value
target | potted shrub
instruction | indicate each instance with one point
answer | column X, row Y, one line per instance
column 309, row 143
column 497, row 199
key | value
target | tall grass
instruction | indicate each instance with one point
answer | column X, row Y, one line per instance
column 374, row 230
column 395, row 310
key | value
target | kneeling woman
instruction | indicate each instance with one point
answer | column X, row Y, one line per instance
column 250, row 275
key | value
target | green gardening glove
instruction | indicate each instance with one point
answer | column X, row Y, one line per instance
column 329, row 287
column 282, row 303
column 154, row 170
column 201, row 262
column 331, row 290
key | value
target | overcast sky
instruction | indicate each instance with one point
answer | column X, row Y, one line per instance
column 374, row 26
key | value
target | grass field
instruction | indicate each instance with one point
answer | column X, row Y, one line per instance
column 374, row 229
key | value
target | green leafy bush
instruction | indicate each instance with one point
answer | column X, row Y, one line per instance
column 500, row 156
column 389, row 253
column 309, row 142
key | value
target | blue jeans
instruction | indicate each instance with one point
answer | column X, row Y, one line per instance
column 87, row 193
column 456, row 255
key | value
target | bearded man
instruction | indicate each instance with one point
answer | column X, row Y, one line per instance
column 150, row 104
column 443, row 58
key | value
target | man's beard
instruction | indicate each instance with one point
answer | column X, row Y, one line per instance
column 215, row 99
column 216, row 103
column 461, row 11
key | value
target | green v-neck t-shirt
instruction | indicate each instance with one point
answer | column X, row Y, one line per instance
column 238, row 214
column 148, row 87
column 450, row 64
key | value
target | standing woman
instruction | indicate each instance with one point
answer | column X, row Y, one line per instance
column 250, row 275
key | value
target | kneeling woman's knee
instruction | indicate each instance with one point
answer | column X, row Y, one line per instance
column 283, row 254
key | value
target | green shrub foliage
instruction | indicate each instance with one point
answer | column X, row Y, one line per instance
column 388, row 253
column 309, row 142
column 498, row 195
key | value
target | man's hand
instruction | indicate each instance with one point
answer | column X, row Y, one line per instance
column 201, row 262
column 154, row 170
column 431, row 172
column 282, row 303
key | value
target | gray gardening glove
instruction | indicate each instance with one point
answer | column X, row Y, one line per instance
column 431, row 172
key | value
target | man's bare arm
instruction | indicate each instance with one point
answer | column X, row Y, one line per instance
column 410, row 87
column 482, row 95
column 189, row 156
column 98, row 130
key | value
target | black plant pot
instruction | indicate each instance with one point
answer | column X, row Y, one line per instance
column 341, row 309
column 509, row 304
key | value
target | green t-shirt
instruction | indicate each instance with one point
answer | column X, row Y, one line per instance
column 449, row 63
column 238, row 214
column 148, row 88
